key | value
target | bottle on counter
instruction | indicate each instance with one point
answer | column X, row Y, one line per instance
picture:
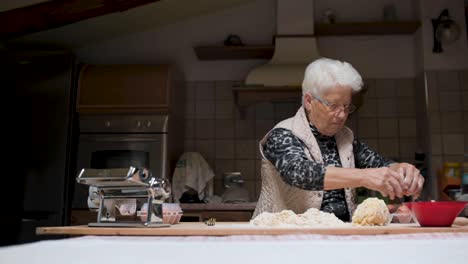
column 464, row 177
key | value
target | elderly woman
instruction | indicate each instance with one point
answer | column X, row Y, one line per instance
column 313, row 159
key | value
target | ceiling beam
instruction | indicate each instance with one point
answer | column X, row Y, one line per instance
column 53, row 14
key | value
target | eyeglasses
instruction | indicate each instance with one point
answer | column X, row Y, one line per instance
column 335, row 108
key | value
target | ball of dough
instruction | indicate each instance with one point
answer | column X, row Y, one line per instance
column 371, row 212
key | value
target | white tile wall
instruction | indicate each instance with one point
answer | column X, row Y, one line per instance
column 229, row 141
column 388, row 128
column 453, row 144
column 368, row 128
column 447, row 116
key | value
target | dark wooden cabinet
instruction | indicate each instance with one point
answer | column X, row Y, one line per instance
column 129, row 88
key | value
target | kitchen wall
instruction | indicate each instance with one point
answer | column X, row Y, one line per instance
column 448, row 116
column 386, row 121
column 228, row 141
column 255, row 22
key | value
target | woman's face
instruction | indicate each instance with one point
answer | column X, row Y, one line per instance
column 329, row 111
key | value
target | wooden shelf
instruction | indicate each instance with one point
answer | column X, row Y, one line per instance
column 234, row 52
column 338, row 29
column 367, row 28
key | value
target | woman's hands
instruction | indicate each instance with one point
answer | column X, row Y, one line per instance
column 395, row 181
column 385, row 180
column 413, row 180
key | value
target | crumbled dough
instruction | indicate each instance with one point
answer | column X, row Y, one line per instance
column 371, row 212
column 287, row 218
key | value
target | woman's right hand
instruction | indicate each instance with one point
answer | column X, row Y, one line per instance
column 384, row 180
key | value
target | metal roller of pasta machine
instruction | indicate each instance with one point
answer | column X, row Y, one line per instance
column 129, row 188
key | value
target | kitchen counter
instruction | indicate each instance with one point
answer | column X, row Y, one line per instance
column 245, row 228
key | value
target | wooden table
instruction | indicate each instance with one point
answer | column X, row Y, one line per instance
column 237, row 228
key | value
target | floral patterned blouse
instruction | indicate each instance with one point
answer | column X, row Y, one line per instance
column 286, row 152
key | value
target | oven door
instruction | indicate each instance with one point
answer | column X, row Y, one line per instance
column 100, row 151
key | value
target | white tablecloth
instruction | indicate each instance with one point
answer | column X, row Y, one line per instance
column 394, row 249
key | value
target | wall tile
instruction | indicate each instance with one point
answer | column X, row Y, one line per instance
column 264, row 111
column 463, row 75
column 244, row 113
column 352, row 122
column 189, row 128
column 368, row 128
column 465, row 122
column 407, row 127
column 388, row 127
column 465, row 100
column 218, row 188
column 205, row 91
column 224, row 128
column 406, row 107
column 386, row 88
column 224, row 109
column 368, row 108
column 245, row 129
column 205, row 129
column 262, row 127
column 222, row 166
column 436, row 163
column 245, row 149
column 386, row 107
column 285, row 110
column 389, row 148
column 205, row 110
column 407, row 147
column 371, row 87
column 433, row 93
column 189, row 145
column 436, row 144
column 190, row 110
column 405, row 87
column 453, row 144
column 190, row 88
column 206, row 148
column 223, row 91
column 224, row 149
column 435, row 123
column 450, row 101
column 452, row 122
column 247, row 168
column 466, row 143
column 448, row 81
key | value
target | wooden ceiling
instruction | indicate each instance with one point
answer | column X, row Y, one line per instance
column 53, row 14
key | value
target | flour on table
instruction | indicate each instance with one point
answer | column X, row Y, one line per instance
column 287, row 218
column 371, row 212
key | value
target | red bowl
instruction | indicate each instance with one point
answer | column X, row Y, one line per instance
column 440, row 214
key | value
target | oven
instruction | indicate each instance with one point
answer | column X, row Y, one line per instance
column 120, row 141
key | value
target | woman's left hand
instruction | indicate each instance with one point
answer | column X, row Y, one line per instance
column 413, row 180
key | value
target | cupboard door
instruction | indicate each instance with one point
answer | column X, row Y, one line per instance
column 123, row 87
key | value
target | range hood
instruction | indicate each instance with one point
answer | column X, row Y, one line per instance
column 295, row 46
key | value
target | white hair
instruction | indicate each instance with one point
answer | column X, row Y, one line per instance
column 324, row 74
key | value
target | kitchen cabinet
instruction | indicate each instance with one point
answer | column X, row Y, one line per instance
column 129, row 89
column 321, row 30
